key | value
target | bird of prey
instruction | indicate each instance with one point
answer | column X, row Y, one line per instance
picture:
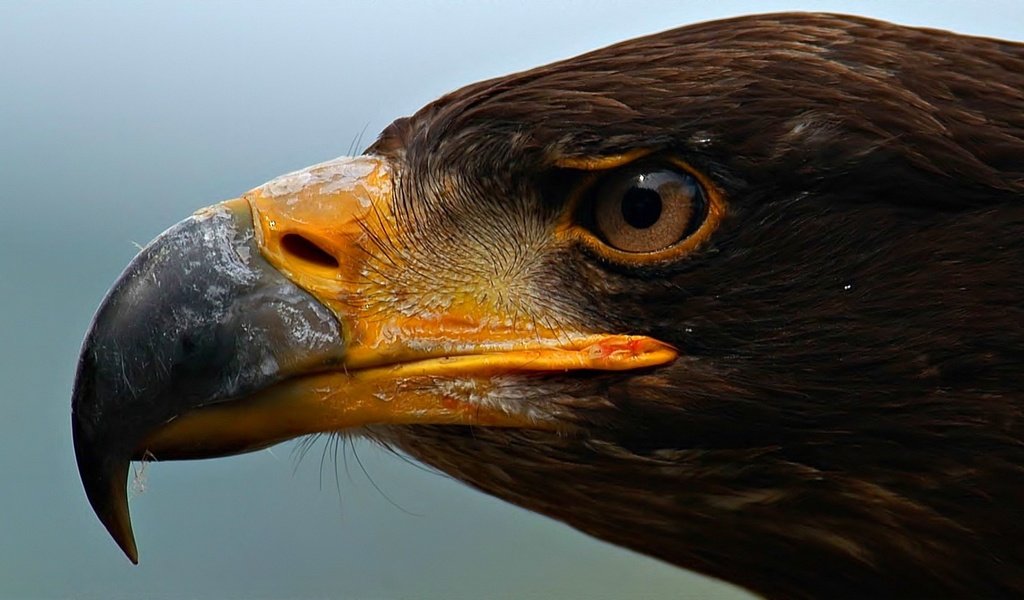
column 746, row 296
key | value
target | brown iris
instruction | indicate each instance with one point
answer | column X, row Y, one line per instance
column 647, row 209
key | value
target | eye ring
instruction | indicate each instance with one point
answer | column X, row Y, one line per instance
column 645, row 212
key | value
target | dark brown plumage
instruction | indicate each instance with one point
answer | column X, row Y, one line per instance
column 844, row 417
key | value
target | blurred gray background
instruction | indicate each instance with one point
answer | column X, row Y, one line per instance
column 118, row 119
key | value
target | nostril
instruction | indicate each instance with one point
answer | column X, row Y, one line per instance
column 303, row 248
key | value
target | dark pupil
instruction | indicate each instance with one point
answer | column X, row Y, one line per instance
column 641, row 207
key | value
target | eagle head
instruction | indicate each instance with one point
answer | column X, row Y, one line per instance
column 745, row 296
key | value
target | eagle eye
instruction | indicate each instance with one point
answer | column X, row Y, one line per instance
column 646, row 209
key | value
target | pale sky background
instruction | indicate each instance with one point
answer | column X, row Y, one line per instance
column 118, row 119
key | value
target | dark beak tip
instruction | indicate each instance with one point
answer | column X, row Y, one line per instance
column 105, row 479
column 121, row 531
column 118, row 522
column 127, row 545
column 109, row 499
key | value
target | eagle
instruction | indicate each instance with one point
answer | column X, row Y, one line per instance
column 746, row 296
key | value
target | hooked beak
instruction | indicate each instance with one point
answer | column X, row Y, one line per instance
column 251, row 322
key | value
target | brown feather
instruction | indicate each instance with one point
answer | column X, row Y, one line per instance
column 846, row 417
